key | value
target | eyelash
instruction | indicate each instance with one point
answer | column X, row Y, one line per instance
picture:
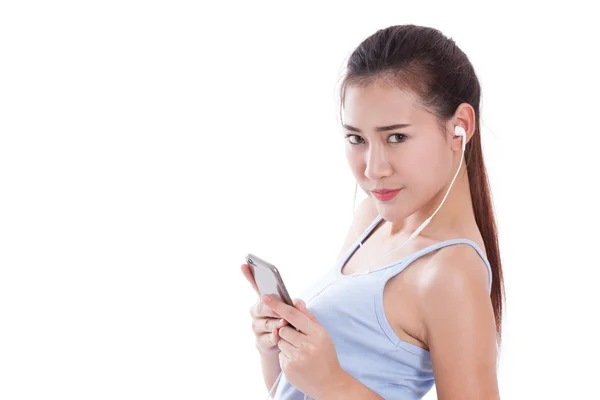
column 395, row 134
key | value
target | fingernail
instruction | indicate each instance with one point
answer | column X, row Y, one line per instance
column 266, row 298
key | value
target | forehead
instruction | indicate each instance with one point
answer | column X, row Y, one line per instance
column 375, row 104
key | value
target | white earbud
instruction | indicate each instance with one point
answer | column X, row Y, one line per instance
column 460, row 131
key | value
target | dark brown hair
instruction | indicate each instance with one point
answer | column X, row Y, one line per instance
column 423, row 61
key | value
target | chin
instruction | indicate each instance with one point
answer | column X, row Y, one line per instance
column 394, row 212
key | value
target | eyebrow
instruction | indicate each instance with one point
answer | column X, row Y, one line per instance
column 379, row 128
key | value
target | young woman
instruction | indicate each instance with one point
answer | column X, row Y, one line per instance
column 417, row 298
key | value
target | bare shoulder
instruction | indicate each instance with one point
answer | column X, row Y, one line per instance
column 458, row 320
column 456, row 281
column 455, row 268
column 365, row 214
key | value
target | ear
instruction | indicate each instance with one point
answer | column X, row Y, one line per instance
column 465, row 117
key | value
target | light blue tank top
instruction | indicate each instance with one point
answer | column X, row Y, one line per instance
column 351, row 309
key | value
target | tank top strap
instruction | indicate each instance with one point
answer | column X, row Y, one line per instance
column 406, row 261
column 369, row 229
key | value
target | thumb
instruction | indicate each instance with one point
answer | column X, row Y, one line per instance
column 302, row 307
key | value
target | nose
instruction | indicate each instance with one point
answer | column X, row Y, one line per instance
column 377, row 163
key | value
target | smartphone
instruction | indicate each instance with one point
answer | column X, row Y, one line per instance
column 268, row 279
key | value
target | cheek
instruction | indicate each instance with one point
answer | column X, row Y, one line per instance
column 425, row 171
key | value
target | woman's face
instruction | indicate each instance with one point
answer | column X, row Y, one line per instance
column 416, row 158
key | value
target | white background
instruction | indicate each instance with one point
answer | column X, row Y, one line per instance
column 147, row 147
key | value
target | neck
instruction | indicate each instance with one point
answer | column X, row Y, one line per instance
column 455, row 214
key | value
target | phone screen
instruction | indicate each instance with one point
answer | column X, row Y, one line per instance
column 268, row 279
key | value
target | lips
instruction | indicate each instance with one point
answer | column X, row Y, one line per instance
column 386, row 196
column 384, row 191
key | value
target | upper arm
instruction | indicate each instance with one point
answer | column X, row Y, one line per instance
column 366, row 212
column 459, row 324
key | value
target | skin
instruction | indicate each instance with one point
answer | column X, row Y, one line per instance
column 446, row 307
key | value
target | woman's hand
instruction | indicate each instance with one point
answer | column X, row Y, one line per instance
column 265, row 322
column 307, row 356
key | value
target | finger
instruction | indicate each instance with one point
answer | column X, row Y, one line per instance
column 266, row 341
column 265, row 311
column 287, row 348
column 292, row 336
column 282, row 324
column 260, row 310
column 298, row 304
column 302, row 307
column 250, row 277
column 291, row 314
column 261, row 325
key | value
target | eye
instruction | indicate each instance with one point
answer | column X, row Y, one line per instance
column 351, row 135
column 401, row 138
